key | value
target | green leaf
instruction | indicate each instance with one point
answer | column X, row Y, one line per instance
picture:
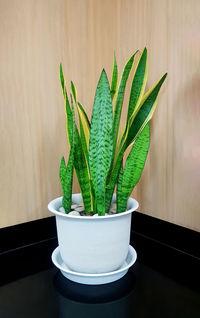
column 113, row 175
column 74, row 91
column 133, row 168
column 114, row 79
column 138, row 83
column 101, row 141
column 82, row 171
column 66, row 179
column 119, row 180
column 120, row 99
column 111, row 181
column 66, row 173
column 84, row 141
column 137, row 90
column 145, row 112
column 69, row 118
column 62, row 80
column 84, row 131
column 80, row 163
column 84, row 113
column 83, row 122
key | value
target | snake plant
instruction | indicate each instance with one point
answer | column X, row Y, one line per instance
column 97, row 149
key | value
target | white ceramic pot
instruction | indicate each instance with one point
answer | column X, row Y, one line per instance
column 93, row 244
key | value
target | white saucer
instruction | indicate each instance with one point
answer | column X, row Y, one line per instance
column 94, row 279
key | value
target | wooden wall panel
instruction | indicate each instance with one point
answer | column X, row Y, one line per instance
column 32, row 116
column 169, row 188
column 35, row 35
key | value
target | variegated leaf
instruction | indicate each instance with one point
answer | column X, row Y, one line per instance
column 114, row 79
column 120, row 99
column 66, row 173
column 133, row 168
column 84, row 124
column 66, row 179
column 101, row 141
column 119, row 180
column 84, row 130
column 112, row 179
column 138, row 83
column 69, row 117
column 137, row 90
column 82, row 172
column 84, row 113
column 145, row 112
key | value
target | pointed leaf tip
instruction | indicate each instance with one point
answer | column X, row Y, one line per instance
column 103, row 76
column 74, row 92
column 103, row 72
column 165, row 75
column 61, row 70
column 144, row 52
column 162, row 79
column 62, row 80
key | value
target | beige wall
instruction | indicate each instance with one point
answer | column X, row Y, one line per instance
column 35, row 35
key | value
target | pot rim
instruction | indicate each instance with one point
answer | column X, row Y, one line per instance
column 52, row 209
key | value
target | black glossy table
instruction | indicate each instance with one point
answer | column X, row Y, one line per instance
column 143, row 292
column 163, row 283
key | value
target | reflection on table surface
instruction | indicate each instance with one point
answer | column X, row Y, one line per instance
column 142, row 292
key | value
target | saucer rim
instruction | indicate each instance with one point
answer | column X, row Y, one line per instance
column 123, row 268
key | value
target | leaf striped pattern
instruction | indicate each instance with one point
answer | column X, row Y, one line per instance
column 66, row 179
column 148, row 105
column 113, row 174
column 137, row 90
column 80, row 163
column 145, row 112
column 69, row 117
column 120, row 178
column 101, row 141
column 133, row 168
column 74, row 91
column 83, row 122
column 114, row 79
column 84, row 130
column 138, row 83
column 120, row 98
column 82, row 172
column 84, row 114
column 111, row 181
column 66, row 173
column 97, row 152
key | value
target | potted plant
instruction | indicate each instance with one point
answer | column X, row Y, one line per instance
column 94, row 227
